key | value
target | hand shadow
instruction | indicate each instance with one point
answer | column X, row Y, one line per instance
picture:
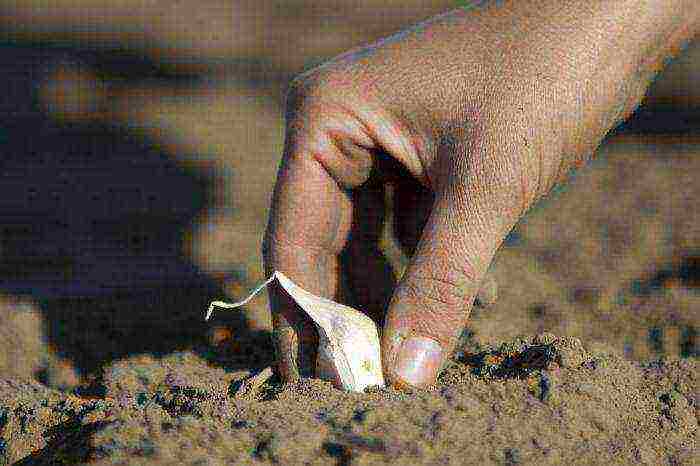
column 93, row 221
column 369, row 275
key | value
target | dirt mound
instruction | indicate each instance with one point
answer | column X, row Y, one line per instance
column 538, row 400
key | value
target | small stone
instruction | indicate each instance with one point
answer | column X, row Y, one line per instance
column 124, row 399
column 544, row 338
column 61, row 374
column 570, row 353
column 175, row 380
column 512, row 456
column 674, row 398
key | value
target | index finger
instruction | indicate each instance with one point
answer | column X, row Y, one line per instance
column 310, row 219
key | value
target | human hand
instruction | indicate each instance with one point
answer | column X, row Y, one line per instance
column 474, row 115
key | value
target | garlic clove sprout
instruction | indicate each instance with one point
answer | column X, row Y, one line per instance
column 349, row 350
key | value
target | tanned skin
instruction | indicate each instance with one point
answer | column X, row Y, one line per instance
column 475, row 114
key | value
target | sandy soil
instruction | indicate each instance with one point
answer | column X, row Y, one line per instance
column 104, row 354
column 617, row 384
column 540, row 400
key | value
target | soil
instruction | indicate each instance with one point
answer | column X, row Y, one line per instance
column 589, row 354
column 539, row 400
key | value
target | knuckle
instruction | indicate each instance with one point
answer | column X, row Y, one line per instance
column 437, row 309
column 301, row 81
column 430, row 297
column 305, row 85
column 323, row 127
column 297, row 93
column 443, row 294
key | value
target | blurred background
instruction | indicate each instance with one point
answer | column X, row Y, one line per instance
column 139, row 143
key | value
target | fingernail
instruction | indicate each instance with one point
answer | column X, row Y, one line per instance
column 418, row 361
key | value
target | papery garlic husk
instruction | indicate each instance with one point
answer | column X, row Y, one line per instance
column 348, row 350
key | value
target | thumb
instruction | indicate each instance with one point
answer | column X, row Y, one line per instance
column 431, row 304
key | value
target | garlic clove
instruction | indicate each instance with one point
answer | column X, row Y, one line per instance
column 349, row 350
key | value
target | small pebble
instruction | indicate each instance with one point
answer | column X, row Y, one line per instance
column 175, row 380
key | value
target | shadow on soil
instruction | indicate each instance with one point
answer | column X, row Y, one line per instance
column 94, row 222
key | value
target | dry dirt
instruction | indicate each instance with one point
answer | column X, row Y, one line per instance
column 616, row 385
column 540, row 400
column 167, row 152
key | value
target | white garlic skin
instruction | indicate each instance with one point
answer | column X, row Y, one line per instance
column 351, row 358
column 349, row 350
